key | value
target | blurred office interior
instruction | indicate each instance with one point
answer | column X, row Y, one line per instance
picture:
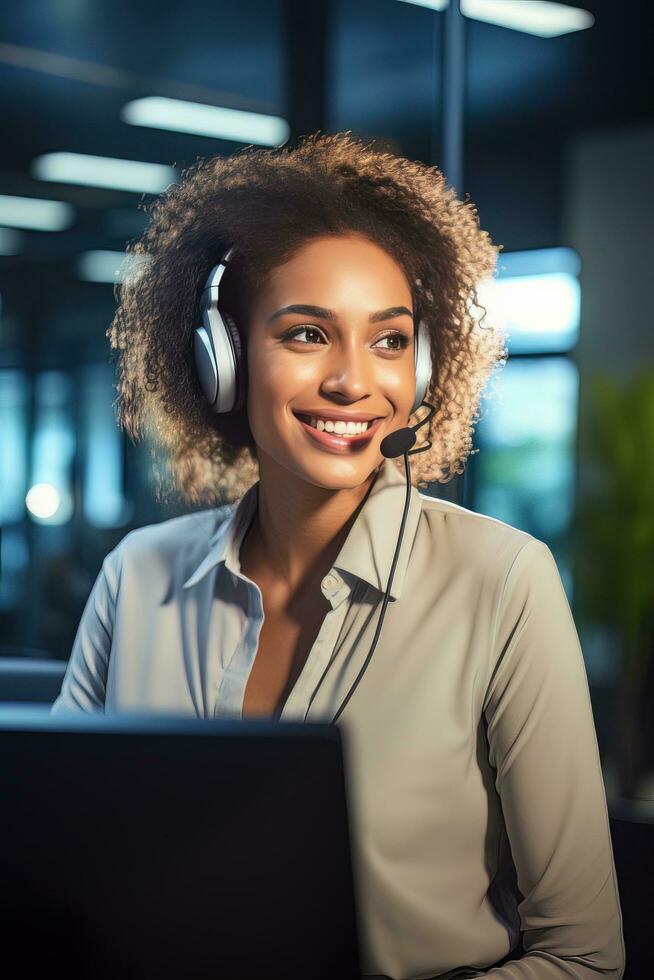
column 543, row 114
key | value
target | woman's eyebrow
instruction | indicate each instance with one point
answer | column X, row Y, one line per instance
column 324, row 314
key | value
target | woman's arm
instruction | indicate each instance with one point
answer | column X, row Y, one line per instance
column 543, row 746
column 84, row 684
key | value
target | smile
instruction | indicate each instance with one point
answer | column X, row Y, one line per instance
column 338, row 440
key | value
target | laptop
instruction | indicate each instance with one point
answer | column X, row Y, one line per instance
column 137, row 846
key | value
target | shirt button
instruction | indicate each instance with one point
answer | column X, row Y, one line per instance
column 329, row 582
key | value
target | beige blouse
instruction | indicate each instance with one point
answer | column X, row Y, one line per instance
column 476, row 797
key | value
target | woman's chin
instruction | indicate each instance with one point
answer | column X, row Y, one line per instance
column 336, row 473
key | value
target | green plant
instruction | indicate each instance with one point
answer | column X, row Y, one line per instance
column 614, row 548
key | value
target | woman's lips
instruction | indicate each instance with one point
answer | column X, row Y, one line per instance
column 332, row 440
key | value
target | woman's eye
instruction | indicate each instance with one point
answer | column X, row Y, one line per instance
column 293, row 334
column 402, row 340
column 399, row 340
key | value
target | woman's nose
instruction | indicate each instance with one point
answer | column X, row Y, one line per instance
column 349, row 371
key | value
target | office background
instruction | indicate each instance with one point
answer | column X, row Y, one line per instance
column 543, row 114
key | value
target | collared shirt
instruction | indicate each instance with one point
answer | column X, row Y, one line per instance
column 475, row 791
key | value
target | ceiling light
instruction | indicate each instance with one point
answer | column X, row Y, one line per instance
column 35, row 213
column 217, row 122
column 539, row 17
column 432, row 4
column 102, row 265
column 124, row 175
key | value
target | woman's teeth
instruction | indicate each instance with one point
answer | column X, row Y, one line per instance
column 340, row 427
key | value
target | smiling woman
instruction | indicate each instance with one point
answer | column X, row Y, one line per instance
column 478, row 815
column 271, row 204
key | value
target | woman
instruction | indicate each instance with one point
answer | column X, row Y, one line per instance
column 480, row 829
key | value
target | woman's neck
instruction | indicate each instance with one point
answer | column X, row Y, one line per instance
column 298, row 529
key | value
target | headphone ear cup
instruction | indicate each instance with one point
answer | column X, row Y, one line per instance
column 422, row 363
column 240, row 361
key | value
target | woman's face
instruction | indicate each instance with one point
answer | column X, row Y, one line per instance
column 349, row 355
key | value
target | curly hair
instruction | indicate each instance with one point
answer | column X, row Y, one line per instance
column 269, row 202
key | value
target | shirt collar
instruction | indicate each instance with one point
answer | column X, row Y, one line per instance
column 368, row 550
column 225, row 542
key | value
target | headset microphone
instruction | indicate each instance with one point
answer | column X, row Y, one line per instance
column 397, row 442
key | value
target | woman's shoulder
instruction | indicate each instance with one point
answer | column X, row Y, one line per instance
column 473, row 537
column 178, row 543
column 198, row 526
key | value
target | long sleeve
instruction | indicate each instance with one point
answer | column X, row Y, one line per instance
column 543, row 748
column 84, row 684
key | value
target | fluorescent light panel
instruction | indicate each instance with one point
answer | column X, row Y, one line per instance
column 217, row 122
column 432, row 4
column 35, row 213
column 541, row 312
column 537, row 404
column 92, row 171
column 102, row 265
column 540, row 17
column 538, row 261
column 536, row 297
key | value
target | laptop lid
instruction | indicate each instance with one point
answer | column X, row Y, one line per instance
column 134, row 846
